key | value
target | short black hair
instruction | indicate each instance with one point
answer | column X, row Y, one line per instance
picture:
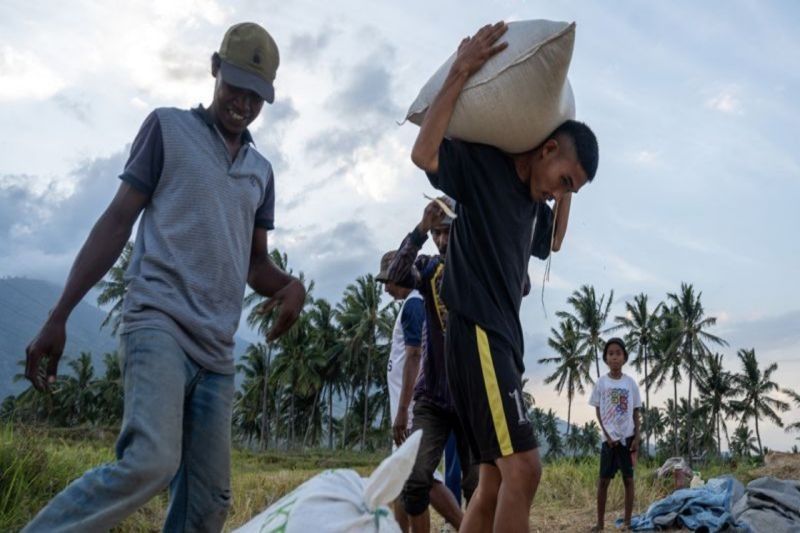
column 619, row 342
column 585, row 145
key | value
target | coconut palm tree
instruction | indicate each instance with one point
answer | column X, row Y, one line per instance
column 325, row 340
column 249, row 408
column 642, row 328
column 552, row 435
column 692, row 337
column 364, row 323
column 590, row 437
column 716, row 386
column 573, row 367
column 743, row 442
column 667, row 363
column 590, row 315
column 109, row 390
column 794, row 426
column 755, row 385
column 113, row 287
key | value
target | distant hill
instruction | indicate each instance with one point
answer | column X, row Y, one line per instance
column 24, row 304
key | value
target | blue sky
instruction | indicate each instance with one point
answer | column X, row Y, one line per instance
column 695, row 106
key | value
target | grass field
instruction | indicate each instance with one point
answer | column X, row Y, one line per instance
column 35, row 464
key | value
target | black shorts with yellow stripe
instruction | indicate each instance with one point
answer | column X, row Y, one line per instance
column 486, row 385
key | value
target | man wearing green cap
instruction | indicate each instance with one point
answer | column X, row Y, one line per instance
column 206, row 199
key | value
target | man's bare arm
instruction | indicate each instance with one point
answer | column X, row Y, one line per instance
column 410, row 373
column 98, row 254
column 268, row 280
column 473, row 52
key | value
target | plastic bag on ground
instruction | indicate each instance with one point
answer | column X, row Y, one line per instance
column 341, row 500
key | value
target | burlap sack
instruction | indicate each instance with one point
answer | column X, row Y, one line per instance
column 519, row 96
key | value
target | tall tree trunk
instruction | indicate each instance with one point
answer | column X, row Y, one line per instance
column 689, row 432
column 290, row 444
column 675, row 429
column 347, row 401
column 719, row 437
column 330, row 418
column 758, row 436
column 263, row 438
column 596, row 359
column 646, row 402
column 311, row 423
column 366, row 398
column 569, row 425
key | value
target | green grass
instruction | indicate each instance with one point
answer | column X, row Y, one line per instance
column 36, row 463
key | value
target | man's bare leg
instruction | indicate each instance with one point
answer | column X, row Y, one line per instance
column 400, row 515
column 446, row 505
column 520, row 474
column 420, row 523
column 628, row 500
column 602, row 496
column 480, row 514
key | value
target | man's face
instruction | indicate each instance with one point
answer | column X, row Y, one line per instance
column 440, row 235
column 236, row 108
column 555, row 170
column 615, row 357
column 392, row 289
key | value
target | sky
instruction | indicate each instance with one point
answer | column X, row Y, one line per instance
column 695, row 106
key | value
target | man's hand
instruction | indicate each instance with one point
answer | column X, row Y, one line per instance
column 400, row 426
column 475, row 51
column 289, row 301
column 635, row 444
column 48, row 344
column 432, row 215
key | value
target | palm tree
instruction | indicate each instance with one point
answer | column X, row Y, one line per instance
column 112, row 289
column 363, row 321
column 590, row 316
column 249, row 408
column 109, row 390
column 590, row 437
column 75, row 392
column 262, row 323
column 691, row 336
column 642, row 326
column 667, row 363
column 743, row 442
column 653, row 423
column 715, row 386
column 755, row 386
column 325, row 340
column 794, row 426
column 573, row 367
column 552, row 436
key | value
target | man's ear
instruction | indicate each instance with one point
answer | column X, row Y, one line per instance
column 215, row 63
column 550, row 147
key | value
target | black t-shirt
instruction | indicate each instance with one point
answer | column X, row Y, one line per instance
column 490, row 241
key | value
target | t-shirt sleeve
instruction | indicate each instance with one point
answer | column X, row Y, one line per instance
column 594, row 399
column 411, row 320
column 265, row 214
column 636, row 395
column 450, row 176
column 146, row 160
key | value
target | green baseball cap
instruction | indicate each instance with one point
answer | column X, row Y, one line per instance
column 249, row 59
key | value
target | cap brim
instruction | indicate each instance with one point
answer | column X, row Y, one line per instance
column 382, row 277
column 239, row 77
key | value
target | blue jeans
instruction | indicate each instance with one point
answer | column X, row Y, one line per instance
column 176, row 433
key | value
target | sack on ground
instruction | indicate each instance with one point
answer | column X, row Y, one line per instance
column 519, row 96
column 341, row 500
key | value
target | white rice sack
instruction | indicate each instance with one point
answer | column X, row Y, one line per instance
column 340, row 500
column 519, row 96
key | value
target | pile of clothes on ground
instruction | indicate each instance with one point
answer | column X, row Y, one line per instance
column 767, row 504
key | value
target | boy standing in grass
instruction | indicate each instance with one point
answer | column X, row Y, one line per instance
column 617, row 403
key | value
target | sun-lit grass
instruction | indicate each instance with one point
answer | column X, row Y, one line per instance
column 35, row 464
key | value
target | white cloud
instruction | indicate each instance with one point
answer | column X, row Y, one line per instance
column 646, row 157
column 24, row 75
column 376, row 169
column 726, row 101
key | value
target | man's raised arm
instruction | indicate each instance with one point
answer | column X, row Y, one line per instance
column 473, row 52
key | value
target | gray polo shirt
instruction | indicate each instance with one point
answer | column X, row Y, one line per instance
column 191, row 255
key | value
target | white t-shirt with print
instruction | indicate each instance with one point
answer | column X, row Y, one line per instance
column 617, row 398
